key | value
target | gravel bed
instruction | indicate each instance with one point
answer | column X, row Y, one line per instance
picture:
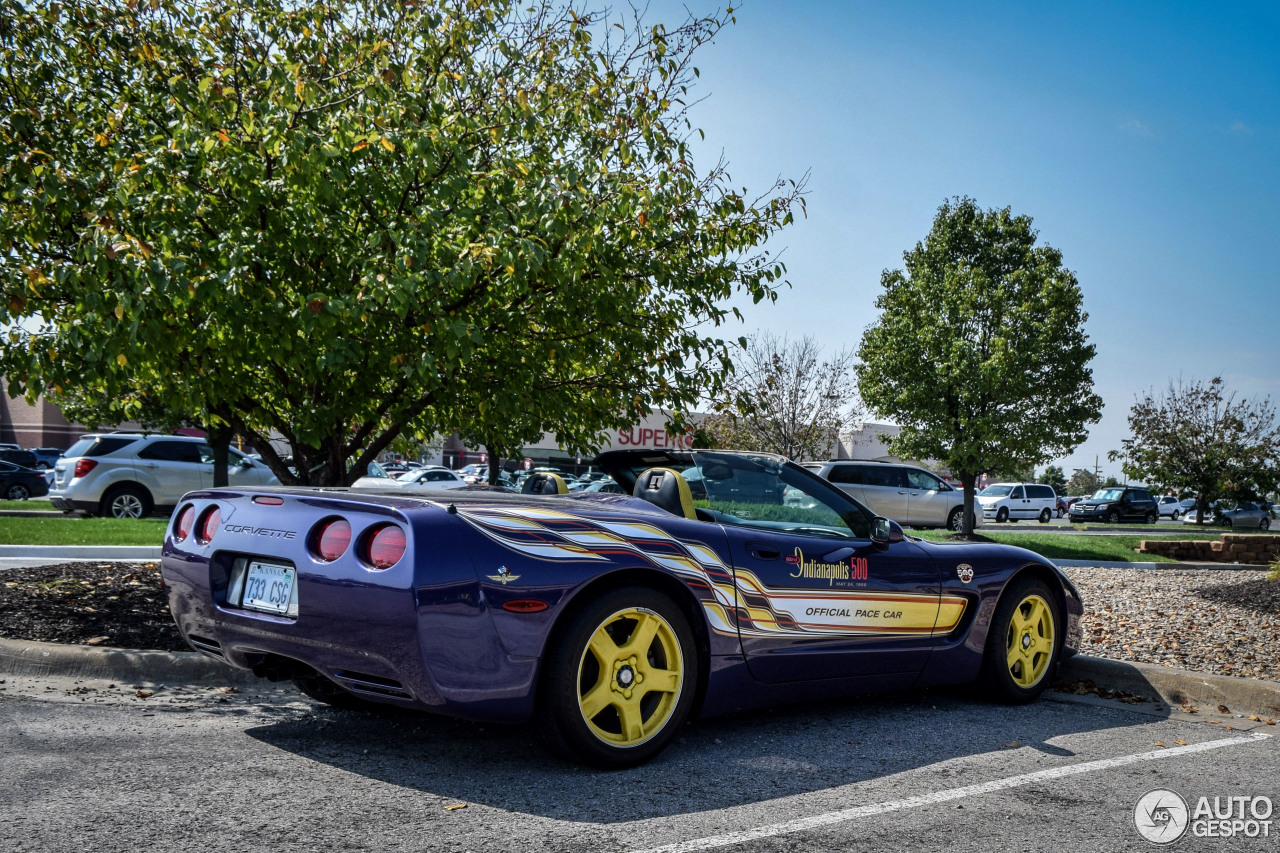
column 1210, row 620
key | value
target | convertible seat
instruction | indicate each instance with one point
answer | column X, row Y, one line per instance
column 544, row 484
column 665, row 487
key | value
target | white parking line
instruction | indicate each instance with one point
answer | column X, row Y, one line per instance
column 802, row 824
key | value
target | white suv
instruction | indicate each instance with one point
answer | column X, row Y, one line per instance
column 130, row 475
column 1002, row 502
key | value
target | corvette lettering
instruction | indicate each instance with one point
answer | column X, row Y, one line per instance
column 260, row 531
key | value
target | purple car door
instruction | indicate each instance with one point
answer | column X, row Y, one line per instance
column 817, row 598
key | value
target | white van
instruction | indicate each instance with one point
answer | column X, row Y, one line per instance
column 1002, row 502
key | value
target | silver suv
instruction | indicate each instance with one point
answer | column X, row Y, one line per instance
column 130, row 475
column 909, row 495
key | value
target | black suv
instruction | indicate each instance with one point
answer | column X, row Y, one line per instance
column 1117, row 503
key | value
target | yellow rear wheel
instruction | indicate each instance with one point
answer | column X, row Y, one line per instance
column 619, row 678
column 630, row 677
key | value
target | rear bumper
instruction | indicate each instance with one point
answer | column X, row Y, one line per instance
column 377, row 640
column 68, row 505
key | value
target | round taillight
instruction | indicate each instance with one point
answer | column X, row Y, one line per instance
column 385, row 546
column 331, row 539
column 209, row 524
column 186, row 520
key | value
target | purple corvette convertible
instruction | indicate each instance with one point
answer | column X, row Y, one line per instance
column 720, row 581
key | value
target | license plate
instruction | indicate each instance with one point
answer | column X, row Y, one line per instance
column 268, row 587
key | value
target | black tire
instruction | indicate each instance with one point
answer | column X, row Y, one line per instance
column 1035, row 667
column 1264, row 524
column 324, row 690
column 1002, row 515
column 17, row 492
column 573, row 671
column 1113, row 517
column 1152, row 518
column 126, row 501
column 1061, row 512
column 1175, row 515
column 1045, row 515
column 1226, row 522
column 955, row 518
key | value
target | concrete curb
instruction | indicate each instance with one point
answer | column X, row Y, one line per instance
column 1178, row 686
column 82, row 552
column 1145, row 564
column 129, row 666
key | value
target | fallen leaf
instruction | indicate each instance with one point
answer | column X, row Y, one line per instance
column 1223, row 709
column 1255, row 718
column 229, row 689
column 144, row 694
column 1013, row 744
column 1230, row 728
column 1214, row 722
column 96, row 641
column 455, row 806
column 1162, row 745
column 1179, row 741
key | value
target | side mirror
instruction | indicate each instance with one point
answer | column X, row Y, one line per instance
column 884, row 531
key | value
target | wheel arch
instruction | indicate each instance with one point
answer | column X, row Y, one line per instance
column 1062, row 590
column 673, row 588
column 119, row 485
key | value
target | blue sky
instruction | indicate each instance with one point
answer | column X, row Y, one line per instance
column 1143, row 138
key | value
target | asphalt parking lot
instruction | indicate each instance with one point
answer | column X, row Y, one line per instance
column 92, row 767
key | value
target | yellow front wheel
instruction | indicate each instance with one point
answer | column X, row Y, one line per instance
column 619, row 679
column 1030, row 641
column 1022, row 643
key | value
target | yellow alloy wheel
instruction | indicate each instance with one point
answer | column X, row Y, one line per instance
column 629, row 677
column 1030, row 645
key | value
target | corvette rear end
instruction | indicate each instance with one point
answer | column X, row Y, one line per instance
column 330, row 588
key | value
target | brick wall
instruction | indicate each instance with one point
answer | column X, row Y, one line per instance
column 1230, row 548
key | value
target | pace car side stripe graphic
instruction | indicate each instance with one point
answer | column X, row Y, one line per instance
column 739, row 602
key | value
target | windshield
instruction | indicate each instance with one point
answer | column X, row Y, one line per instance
column 995, row 492
column 1108, row 494
column 765, row 493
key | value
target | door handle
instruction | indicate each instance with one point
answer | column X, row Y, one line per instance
column 763, row 552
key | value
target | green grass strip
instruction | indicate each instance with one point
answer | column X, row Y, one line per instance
column 1069, row 546
column 30, row 506
column 82, row 531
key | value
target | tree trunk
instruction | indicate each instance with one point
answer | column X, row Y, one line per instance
column 967, row 481
column 493, row 464
column 220, row 441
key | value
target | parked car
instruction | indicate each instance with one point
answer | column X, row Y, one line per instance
column 904, row 493
column 430, row 479
column 24, row 458
column 609, row 622
column 1064, row 505
column 1114, row 504
column 18, row 483
column 130, row 475
column 1002, row 502
column 1170, row 506
column 46, row 457
column 604, row 484
column 1186, row 505
column 1245, row 515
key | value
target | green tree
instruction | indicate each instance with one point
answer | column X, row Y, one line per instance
column 1198, row 437
column 784, row 397
column 1083, row 482
column 342, row 221
column 1055, row 477
column 980, row 352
